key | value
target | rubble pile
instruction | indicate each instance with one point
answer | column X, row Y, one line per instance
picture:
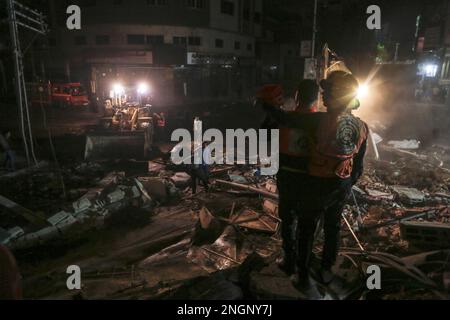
column 225, row 243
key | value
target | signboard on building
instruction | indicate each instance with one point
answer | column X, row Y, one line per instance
column 310, row 69
column 306, row 48
column 195, row 58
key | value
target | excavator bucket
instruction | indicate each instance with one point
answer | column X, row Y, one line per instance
column 116, row 146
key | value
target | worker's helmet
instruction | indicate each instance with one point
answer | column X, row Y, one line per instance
column 271, row 94
column 340, row 90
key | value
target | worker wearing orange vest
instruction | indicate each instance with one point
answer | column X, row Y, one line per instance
column 294, row 151
column 335, row 164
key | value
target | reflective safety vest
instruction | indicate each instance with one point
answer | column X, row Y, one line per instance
column 295, row 149
column 294, row 142
column 339, row 139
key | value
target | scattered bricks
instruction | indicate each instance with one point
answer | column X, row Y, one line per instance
column 58, row 218
column 81, row 205
column 116, row 196
column 434, row 235
column 409, row 195
column 379, row 194
column 270, row 207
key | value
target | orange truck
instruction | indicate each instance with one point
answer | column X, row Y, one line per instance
column 63, row 95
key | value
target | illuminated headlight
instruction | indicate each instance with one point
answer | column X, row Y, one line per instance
column 143, row 88
column 363, row 91
column 118, row 89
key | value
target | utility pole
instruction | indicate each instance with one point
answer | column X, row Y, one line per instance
column 20, row 15
column 314, row 35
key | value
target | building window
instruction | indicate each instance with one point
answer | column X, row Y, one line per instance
column 227, row 7
column 250, row 47
column 158, row 2
column 155, row 39
column 102, row 40
column 196, row 4
column 219, row 43
column 237, row 45
column 195, row 41
column 179, row 41
column 257, row 18
column 80, row 40
column 136, row 39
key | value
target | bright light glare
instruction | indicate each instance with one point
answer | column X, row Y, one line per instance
column 431, row 70
column 143, row 88
column 118, row 89
column 363, row 91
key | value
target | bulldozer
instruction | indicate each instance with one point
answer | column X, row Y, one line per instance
column 125, row 131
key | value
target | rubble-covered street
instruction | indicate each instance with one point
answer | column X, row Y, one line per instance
column 146, row 236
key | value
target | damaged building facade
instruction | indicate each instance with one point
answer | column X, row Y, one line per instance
column 205, row 51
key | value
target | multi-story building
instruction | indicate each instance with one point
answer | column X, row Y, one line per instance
column 188, row 49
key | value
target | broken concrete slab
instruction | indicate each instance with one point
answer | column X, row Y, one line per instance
column 405, row 144
column 116, row 196
column 156, row 188
column 59, row 217
column 181, row 180
column 82, row 205
column 238, row 179
column 409, row 195
column 426, row 234
column 379, row 194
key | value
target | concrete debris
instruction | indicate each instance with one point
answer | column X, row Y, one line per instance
column 181, row 180
column 405, row 144
column 238, row 179
column 426, row 234
column 116, row 196
column 409, row 195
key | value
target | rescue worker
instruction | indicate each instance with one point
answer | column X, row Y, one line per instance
column 200, row 172
column 294, row 151
column 339, row 142
column 10, row 158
